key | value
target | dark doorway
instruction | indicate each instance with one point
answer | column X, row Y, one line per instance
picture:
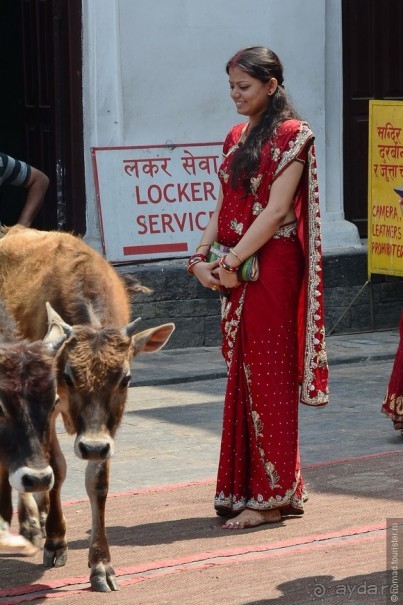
column 41, row 118
column 372, row 69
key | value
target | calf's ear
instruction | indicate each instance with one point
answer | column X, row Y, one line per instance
column 53, row 341
column 58, row 329
column 153, row 339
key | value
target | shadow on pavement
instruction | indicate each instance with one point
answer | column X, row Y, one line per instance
column 369, row 589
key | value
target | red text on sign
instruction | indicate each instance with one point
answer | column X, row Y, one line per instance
column 175, row 192
column 172, row 223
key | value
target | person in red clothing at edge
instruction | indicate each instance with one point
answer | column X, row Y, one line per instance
column 393, row 402
column 20, row 174
column 273, row 328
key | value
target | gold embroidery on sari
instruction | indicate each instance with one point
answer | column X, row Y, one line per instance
column 255, row 182
column 303, row 136
column 399, row 405
column 236, row 504
column 236, row 145
column 257, row 423
column 272, row 474
column 257, row 208
column 394, row 403
column 223, row 174
column 315, row 353
column 237, row 227
column 231, row 322
column 286, row 231
column 270, row 469
column 230, row 150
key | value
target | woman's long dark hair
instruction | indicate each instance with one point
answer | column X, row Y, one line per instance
column 260, row 63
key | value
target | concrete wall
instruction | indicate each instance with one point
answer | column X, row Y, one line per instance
column 153, row 74
column 195, row 310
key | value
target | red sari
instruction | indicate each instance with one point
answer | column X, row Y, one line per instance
column 393, row 403
column 273, row 334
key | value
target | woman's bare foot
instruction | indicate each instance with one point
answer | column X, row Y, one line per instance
column 252, row 518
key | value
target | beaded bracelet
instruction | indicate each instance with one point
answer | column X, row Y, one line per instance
column 236, row 255
column 226, row 267
column 193, row 260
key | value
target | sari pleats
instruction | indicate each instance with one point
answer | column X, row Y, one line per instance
column 259, row 462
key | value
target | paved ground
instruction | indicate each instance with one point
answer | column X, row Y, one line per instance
column 171, row 429
column 168, row 545
column 169, row 548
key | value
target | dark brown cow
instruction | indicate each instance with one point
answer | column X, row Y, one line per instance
column 27, row 400
column 89, row 298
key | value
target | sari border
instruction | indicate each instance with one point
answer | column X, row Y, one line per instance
column 315, row 357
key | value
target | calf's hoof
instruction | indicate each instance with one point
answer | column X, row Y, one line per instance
column 103, row 579
column 55, row 558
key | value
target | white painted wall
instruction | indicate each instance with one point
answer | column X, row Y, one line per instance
column 154, row 73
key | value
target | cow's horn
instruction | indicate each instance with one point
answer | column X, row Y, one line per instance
column 130, row 328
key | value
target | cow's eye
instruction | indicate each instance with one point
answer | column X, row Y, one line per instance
column 125, row 381
column 68, row 380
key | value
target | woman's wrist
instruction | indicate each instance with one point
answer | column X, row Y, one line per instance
column 235, row 254
column 194, row 260
column 229, row 268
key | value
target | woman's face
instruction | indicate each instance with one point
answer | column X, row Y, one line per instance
column 250, row 95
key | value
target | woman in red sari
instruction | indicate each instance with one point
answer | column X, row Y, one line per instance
column 393, row 403
column 273, row 335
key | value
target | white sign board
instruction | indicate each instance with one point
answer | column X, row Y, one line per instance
column 155, row 202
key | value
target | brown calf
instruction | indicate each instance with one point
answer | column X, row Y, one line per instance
column 89, row 299
column 27, row 400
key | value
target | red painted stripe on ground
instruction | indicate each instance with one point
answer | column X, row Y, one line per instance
column 256, row 556
column 196, row 562
column 271, row 546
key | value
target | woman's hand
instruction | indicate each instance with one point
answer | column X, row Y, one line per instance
column 207, row 274
column 227, row 279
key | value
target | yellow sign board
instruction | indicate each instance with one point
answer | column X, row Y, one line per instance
column 385, row 174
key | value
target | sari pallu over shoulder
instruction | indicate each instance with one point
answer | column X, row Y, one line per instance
column 312, row 356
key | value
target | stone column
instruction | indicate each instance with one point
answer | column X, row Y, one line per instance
column 102, row 95
column 337, row 232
